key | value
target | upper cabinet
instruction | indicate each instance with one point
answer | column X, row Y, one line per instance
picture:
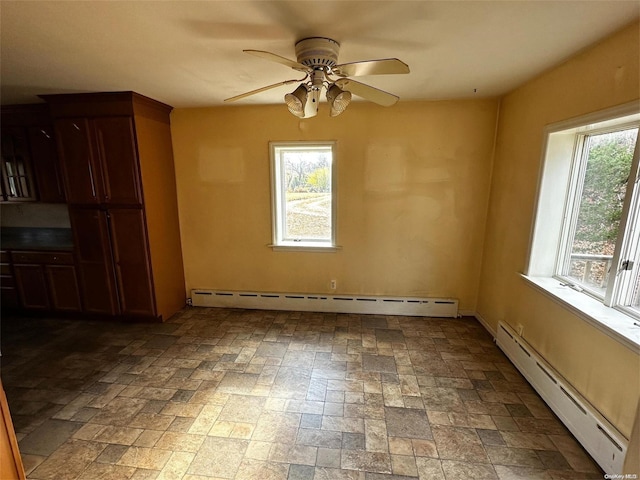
column 17, row 176
column 99, row 160
column 30, row 169
column 45, row 164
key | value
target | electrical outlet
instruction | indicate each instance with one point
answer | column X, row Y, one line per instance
column 520, row 329
column 334, row 284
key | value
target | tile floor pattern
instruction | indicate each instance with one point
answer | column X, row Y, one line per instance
column 246, row 394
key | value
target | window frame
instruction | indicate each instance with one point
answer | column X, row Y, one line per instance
column 278, row 212
column 548, row 232
column 612, row 292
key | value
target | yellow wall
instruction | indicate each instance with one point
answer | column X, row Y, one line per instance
column 413, row 184
column 413, row 189
column 605, row 372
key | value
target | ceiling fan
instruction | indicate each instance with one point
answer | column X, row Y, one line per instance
column 317, row 58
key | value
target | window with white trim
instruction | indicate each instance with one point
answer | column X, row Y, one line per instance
column 303, row 194
column 587, row 230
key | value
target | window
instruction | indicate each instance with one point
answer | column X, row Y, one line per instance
column 593, row 226
column 587, row 230
column 304, row 203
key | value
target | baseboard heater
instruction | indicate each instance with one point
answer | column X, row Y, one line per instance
column 410, row 306
column 602, row 440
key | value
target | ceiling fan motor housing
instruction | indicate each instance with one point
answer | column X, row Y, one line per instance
column 317, row 52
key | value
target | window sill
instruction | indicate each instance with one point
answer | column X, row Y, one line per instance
column 610, row 321
column 304, row 247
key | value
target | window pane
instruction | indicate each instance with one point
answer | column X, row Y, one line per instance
column 630, row 269
column 307, row 194
column 608, row 163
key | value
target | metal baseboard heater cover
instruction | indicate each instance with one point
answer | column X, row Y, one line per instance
column 597, row 435
column 409, row 306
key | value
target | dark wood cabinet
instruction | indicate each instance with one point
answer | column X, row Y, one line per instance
column 113, row 261
column 44, row 157
column 131, row 259
column 32, row 287
column 30, row 169
column 17, row 174
column 118, row 160
column 46, row 281
column 94, row 260
column 79, row 166
column 63, row 288
column 117, row 163
column 9, row 294
column 100, row 163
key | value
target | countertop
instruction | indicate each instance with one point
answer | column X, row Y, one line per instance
column 30, row 238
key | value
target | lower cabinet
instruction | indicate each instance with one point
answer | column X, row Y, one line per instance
column 63, row 288
column 95, row 261
column 131, row 260
column 9, row 294
column 46, row 281
column 32, row 286
column 113, row 261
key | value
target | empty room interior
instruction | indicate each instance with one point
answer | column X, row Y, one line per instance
column 320, row 240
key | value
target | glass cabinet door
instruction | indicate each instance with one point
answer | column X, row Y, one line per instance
column 17, row 176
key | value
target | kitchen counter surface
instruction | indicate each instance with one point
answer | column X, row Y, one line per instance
column 29, row 238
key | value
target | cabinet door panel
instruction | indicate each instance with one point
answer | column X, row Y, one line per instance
column 133, row 272
column 17, row 175
column 119, row 160
column 32, row 286
column 79, row 168
column 94, row 260
column 63, row 287
column 45, row 164
column 8, row 296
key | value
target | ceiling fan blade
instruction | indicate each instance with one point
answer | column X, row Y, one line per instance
column 371, row 67
column 277, row 58
column 368, row 92
column 260, row 90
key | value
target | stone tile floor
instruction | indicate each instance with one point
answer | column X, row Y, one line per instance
column 247, row 394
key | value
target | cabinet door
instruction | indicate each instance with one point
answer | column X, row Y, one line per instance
column 63, row 287
column 94, row 260
column 17, row 175
column 8, row 292
column 45, row 164
column 32, row 286
column 119, row 161
column 133, row 272
column 79, row 168
column 8, row 296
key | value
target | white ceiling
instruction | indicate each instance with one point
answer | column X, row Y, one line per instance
column 189, row 53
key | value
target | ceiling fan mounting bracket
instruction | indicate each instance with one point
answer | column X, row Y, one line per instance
column 317, row 52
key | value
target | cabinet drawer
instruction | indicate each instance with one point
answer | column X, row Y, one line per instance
column 5, row 269
column 7, row 281
column 50, row 258
column 4, row 257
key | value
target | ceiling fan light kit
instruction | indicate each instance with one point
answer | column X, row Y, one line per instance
column 297, row 100
column 338, row 100
column 317, row 57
